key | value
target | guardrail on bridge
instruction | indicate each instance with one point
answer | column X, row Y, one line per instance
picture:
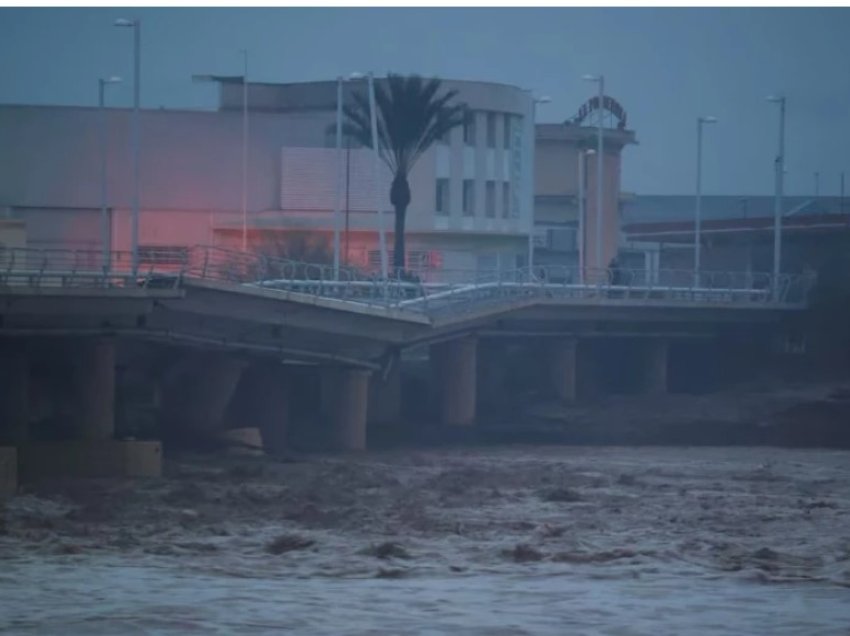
column 431, row 292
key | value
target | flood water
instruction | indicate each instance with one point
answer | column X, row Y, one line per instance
column 520, row 540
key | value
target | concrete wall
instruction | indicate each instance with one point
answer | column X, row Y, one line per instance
column 556, row 203
column 190, row 173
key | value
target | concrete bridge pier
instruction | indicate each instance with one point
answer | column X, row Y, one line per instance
column 261, row 400
column 93, row 451
column 95, row 390
column 14, row 412
column 345, row 402
column 655, row 365
column 14, row 392
column 562, row 368
column 454, row 370
column 197, row 391
column 385, row 395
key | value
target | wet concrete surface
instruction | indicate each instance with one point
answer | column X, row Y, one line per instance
column 483, row 540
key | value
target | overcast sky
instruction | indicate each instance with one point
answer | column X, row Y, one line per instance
column 666, row 66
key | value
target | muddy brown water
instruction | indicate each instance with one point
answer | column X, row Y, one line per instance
column 511, row 540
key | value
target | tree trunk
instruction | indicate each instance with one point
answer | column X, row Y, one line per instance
column 399, row 260
column 400, row 199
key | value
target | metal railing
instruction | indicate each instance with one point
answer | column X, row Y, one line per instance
column 439, row 291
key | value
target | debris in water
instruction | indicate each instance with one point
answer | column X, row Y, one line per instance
column 288, row 543
column 766, row 554
column 595, row 557
column 68, row 548
column 565, row 495
column 626, row 480
column 387, row 550
column 523, row 553
column 391, row 573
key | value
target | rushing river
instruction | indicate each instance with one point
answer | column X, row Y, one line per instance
column 486, row 541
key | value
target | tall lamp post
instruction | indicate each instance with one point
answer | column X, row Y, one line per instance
column 376, row 154
column 777, row 201
column 582, row 158
column 136, row 25
column 698, row 204
column 599, row 79
column 339, row 174
column 244, row 149
column 102, row 83
column 342, row 172
column 382, row 235
column 544, row 99
column 243, row 79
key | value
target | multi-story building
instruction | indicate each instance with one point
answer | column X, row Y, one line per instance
column 471, row 205
column 566, row 168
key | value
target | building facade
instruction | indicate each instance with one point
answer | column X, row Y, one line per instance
column 566, row 168
column 736, row 233
column 471, row 205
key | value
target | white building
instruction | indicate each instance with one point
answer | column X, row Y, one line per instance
column 471, row 194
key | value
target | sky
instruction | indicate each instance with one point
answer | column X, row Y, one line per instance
column 665, row 66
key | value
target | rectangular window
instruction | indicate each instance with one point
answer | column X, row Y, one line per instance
column 469, row 130
column 442, row 196
column 469, row 197
column 507, row 136
column 491, row 130
column 490, row 200
column 506, row 200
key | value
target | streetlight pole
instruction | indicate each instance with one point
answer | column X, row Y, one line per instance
column 534, row 102
column 599, row 79
column 136, row 25
column 698, row 205
column 382, row 237
column 777, row 201
column 244, row 150
column 582, row 158
column 347, row 194
column 339, row 174
column 104, row 145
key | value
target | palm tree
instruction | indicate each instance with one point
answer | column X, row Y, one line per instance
column 412, row 115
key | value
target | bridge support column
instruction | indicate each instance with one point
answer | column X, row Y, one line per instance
column 453, row 368
column 196, row 395
column 94, row 452
column 95, row 389
column 385, row 394
column 655, row 366
column 562, row 368
column 8, row 471
column 14, row 393
column 261, row 400
column 345, row 396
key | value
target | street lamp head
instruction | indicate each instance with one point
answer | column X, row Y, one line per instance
column 124, row 22
column 114, row 79
column 356, row 75
column 543, row 99
column 591, row 78
column 776, row 99
column 708, row 120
